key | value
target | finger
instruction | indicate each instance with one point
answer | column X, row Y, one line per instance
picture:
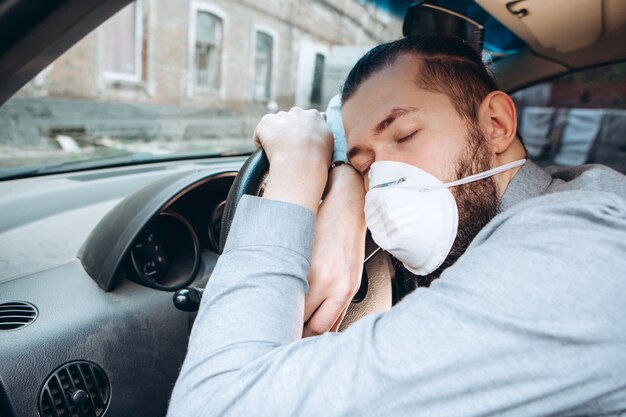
column 324, row 318
column 256, row 136
column 256, row 140
column 335, row 326
column 312, row 301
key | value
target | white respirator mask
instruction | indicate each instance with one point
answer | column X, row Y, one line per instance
column 413, row 215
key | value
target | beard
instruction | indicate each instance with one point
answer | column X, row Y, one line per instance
column 477, row 204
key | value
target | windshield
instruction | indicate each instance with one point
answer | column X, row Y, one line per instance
column 159, row 81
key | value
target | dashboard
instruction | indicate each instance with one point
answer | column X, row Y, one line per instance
column 89, row 264
column 169, row 249
column 83, row 345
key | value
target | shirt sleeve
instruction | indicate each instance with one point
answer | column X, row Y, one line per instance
column 528, row 322
column 335, row 123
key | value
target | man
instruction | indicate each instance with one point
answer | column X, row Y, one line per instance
column 526, row 317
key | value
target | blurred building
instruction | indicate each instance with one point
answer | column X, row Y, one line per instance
column 164, row 76
column 217, row 53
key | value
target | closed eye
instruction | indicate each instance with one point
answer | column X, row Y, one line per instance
column 365, row 167
column 408, row 137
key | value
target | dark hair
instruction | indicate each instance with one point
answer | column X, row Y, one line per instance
column 449, row 65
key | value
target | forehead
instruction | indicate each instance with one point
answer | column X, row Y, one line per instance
column 392, row 87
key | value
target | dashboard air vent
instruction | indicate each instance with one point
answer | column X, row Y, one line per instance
column 76, row 389
column 16, row 314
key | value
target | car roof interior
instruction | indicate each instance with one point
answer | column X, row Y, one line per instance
column 594, row 35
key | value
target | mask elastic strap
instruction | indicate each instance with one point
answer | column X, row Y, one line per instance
column 479, row 176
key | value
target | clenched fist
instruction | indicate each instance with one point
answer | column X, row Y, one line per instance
column 298, row 144
column 295, row 135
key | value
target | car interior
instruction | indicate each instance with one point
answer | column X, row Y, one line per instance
column 102, row 269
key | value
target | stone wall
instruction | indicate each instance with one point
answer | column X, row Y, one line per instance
column 300, row 29
column 162, row 111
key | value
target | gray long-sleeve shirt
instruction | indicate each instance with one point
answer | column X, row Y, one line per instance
column 530, row 321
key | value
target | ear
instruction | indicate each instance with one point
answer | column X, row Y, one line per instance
column 498, row 119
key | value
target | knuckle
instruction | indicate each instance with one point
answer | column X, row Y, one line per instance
column 318, row 327
column 325, row 278
column 268, row 118
column 345, row 292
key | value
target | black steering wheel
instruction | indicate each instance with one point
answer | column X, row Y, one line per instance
column 376, row 290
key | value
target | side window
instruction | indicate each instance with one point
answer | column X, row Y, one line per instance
column 263, row 66
column 576, row 119
column 207, row 50
column 318, row 73
column 122, row 43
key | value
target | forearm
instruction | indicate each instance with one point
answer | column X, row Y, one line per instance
column 254, row 299
column 345, row 199
column 345, row 189
column 339, row 248
column 298, row 182
column 253, row 302
column 343, row 203
column 257, row 289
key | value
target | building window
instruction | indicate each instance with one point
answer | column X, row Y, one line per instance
column 122, row 44
column 207, row 50
column 318, row 76
column 263, row 66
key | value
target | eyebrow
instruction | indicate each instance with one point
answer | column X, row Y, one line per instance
column 393, row 115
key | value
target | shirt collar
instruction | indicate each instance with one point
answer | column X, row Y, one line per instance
column 530, row 181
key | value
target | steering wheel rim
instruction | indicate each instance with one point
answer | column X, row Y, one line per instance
column 248, row 181
column 378, row 270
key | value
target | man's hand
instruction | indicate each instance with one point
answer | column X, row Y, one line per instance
column 298, row 145
column 338, row 252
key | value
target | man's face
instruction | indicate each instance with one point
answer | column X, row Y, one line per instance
column 390, row 118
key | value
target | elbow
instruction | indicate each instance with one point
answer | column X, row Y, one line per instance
column 198, row 398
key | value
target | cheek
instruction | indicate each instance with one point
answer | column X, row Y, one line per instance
column 435, row 153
